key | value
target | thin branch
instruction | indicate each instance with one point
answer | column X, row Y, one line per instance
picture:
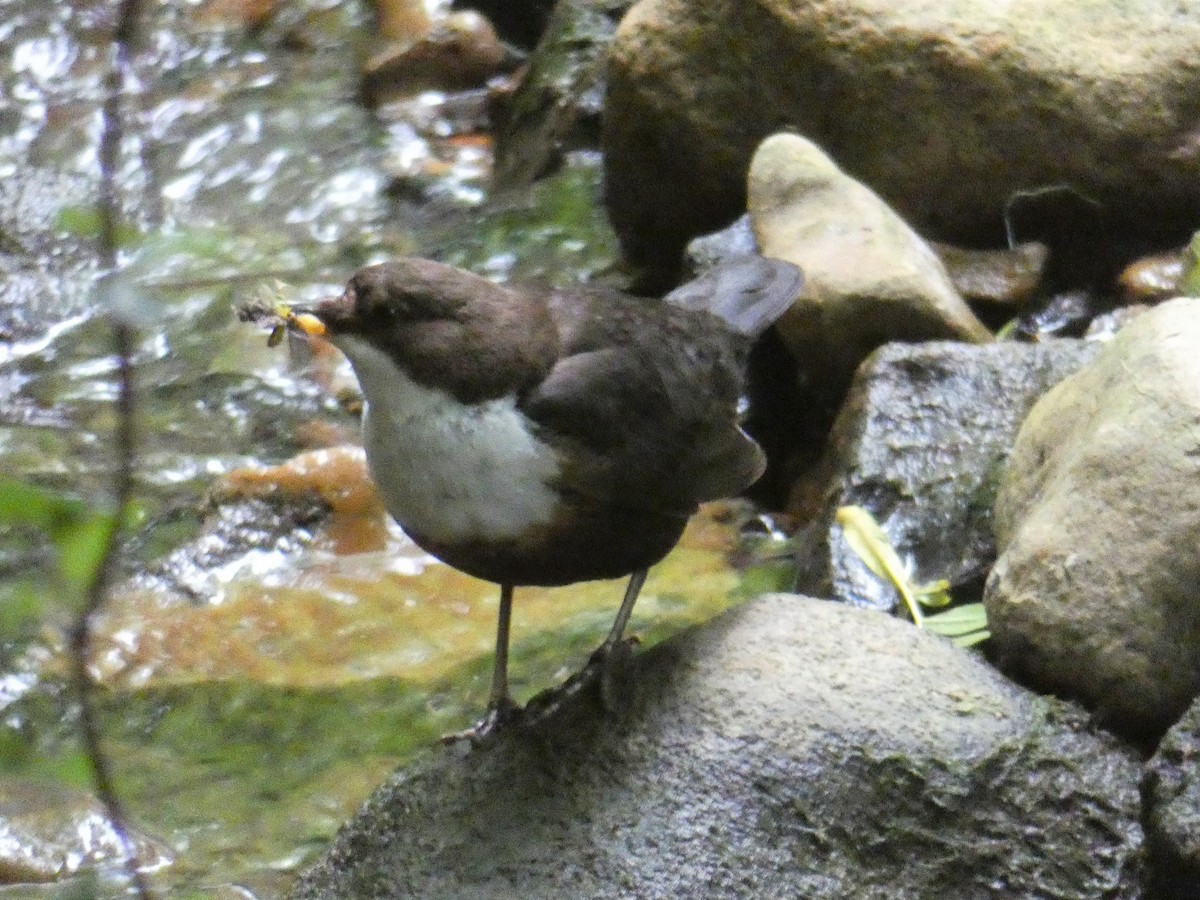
column 124, row 343
column 110, row 138
column 81, row 635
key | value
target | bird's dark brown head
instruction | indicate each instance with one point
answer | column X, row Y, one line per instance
column 384, row 298
column 446, row 327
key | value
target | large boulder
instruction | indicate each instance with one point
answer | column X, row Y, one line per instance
column 1096, row 593
column 947, row 109
column 556, row 107
column 791, row 748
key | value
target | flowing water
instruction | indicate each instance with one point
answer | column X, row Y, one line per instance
column 262, row 668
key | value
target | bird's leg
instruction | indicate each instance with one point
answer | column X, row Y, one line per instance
column 614, row 654
column 500, row 708
column 608, row 665
column 499, row 698
column 636, row 580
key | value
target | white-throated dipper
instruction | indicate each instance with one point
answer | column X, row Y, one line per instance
column 544, row 437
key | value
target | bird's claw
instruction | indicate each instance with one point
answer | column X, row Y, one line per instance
column 608, row 666
column 499, row 717
column 616, row 674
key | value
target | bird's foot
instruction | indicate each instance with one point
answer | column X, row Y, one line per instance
column 610, row 666
column 500, row 716
column 616, row 674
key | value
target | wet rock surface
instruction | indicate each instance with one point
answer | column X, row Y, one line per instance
column 1171, row 807
column 920, row 444
column 456, row 53
column 946, row 110
column 996, row 281
column 1154, row 278
column 1094, row 593
column 761, row 755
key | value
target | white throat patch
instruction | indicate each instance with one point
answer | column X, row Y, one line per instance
column 449, row 471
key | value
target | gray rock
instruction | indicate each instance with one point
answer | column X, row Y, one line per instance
column 946, row 109
column 1098, row 523
column 868, row 277
column 920, row 444
column 706, row 251
column 791, row 748
column 1171, row 801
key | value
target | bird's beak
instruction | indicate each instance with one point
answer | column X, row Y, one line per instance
column 325, row 318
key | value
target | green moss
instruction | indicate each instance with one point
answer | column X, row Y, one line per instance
column 558, row 232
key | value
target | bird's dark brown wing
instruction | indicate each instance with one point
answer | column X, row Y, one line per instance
column 647, row 403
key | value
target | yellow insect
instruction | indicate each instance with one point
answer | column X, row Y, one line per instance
column 306, row 322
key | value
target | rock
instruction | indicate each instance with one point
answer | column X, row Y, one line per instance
column 708, row 250
column 556, row 107
column 764, row 755
column 1153, row 278
column 947, row 110
column 997, row 280
column 920, row 444
column 1094, row 594
column 401, row 20
column 457, row 53
column 1105, row 325
column 989, row 280
column 869, row 278
column 1171, row 800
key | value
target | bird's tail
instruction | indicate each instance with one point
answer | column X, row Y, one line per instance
column 749, row 293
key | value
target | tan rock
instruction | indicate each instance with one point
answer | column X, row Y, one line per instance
column 869, row 278
column 1097, row 521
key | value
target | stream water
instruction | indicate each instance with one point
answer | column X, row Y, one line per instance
column 252, row 696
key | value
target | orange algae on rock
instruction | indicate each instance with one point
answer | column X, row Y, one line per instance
column 336, row 475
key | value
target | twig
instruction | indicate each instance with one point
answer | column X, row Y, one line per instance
column 124, row 343
column 81, row 634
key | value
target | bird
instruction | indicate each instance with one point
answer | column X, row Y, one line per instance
column 547, row 436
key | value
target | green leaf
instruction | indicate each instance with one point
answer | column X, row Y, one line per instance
column 935, row 594
column 965, row 625
column 25, row 504
column 84, row 222
column 82, row 548
column 22, row 606
column 1189, row 285
column 72, row 767
column 1008, row 329
column 80, row 532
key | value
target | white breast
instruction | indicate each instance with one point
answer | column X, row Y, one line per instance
column 446, row 470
